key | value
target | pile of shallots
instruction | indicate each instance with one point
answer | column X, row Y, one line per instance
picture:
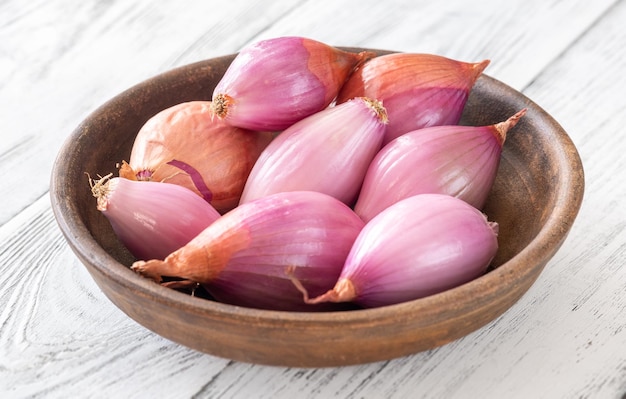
column 315, row 177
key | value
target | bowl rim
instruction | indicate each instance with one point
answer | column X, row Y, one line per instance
column 540, row 249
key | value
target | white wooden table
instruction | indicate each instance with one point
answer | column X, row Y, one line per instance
column 60, row 337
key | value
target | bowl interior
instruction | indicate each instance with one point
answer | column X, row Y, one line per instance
column 535, row 199
column 520, row 200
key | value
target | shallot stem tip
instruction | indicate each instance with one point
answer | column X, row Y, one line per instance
column 364, row 56
column 332, row 295
column 479, row 67
column 503, row 127
column 146, row 269
column 289, row 271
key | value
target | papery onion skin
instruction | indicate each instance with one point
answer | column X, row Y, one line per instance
column 247, row 257
column 418, row 90
column 187, row 145
column 461, row 161
column 328, row 152
column 274, row 83
column 152, row 219
column 420, row 246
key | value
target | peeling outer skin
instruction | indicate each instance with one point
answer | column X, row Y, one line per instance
column 196, row 178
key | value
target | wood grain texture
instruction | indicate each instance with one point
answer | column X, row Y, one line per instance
column 62, row 59
column 69, row 57
column 60, row 337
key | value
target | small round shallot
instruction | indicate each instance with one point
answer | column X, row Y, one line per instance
column 188, row 145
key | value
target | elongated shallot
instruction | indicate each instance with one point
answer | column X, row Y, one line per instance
column 244, row 257
column 419, row 246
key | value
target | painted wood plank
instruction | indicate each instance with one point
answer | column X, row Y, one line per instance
column 518, row 36
column 62, row 59
column 60, row 337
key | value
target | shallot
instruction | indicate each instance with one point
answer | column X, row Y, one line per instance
column 418, row 90
column 274, row 83
column 327, row 152
column 461, row 161
column 418, row 247
column 152, row 219
column 187, row 145
column 248, row 255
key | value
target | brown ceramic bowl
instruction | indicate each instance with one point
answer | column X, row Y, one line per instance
column 536, row 198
